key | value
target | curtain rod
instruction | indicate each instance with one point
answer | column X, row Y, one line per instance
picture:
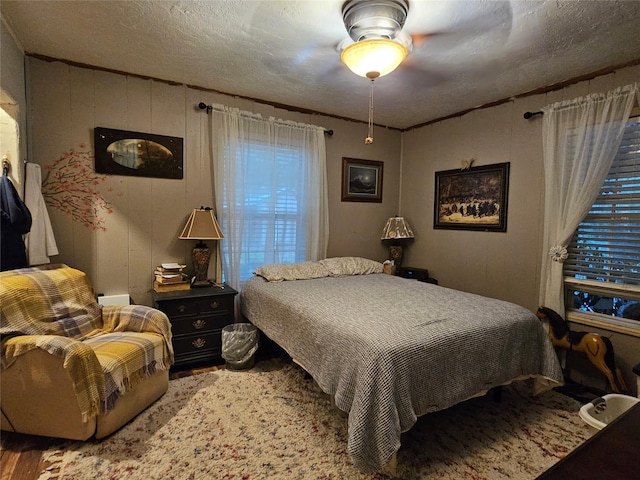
column 208, row 108
column 528, row 115
column 595, row 96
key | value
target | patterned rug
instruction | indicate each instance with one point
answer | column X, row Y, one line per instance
column 271, row 422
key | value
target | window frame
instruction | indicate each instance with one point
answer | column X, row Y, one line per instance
column 600, row 320
column 254, row 213
column 608, row 289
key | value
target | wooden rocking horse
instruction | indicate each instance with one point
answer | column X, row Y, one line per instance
column 598, row 349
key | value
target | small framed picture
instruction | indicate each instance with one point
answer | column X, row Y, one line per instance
column 120, row 152
column 474, row 199
column 361, row 180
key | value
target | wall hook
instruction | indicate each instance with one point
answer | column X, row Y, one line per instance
column 6, row 166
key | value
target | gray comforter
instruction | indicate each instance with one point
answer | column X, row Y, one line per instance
column 390, row 349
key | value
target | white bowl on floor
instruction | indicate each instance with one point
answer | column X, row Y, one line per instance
column 615, row 403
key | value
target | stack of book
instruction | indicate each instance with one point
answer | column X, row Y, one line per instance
column 170, row 277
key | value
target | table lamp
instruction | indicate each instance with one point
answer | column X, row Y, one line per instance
column 201, row 225
column 396, row 229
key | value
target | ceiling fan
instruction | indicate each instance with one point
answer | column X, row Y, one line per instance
column 376, row 45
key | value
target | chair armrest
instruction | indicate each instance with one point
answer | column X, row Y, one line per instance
column 38, row 398
column 138, row 318
column 79, row 361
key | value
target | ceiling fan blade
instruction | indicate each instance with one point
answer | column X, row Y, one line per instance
column 458, row 22
column 407, row 77
column 461, row 15
column 315, row 28
column 418, row 39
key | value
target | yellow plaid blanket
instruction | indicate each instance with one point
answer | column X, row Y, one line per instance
column 105, row 350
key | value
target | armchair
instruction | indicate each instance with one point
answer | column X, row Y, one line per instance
column 69, row 367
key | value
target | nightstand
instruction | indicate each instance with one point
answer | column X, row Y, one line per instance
column 420, row 274
column 197, row 317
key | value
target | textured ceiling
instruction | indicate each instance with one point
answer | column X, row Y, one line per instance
column 284, row 52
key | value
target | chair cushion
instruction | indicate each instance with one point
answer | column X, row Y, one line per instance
column 127, row 358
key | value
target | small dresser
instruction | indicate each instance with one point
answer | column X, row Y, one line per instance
column 197, row 317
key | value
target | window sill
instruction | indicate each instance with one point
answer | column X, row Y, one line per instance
column 612, row 324
column 604, row 288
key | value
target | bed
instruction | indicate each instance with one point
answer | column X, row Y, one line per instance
column 390, row 349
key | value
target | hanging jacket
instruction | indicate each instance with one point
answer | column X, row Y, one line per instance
column 15, row 222
column 40, row 242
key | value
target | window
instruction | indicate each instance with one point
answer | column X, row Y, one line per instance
column 270, row 184
column 273, row 230
column 602, row 273
column 9, row 135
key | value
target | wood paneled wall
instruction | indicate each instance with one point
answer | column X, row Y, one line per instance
column 137, row 220
column 145, row 215
column 499, row 265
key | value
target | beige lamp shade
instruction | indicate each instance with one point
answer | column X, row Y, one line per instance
column 202, row 225
column 373, row 58
column 396, row 227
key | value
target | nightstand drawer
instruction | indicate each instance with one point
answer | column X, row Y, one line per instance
column 198, row 324
column 177, row 308
column 193, row 348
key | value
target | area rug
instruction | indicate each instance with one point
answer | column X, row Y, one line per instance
column 271, row 422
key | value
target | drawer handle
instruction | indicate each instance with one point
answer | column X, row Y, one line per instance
column 199, row 324
column 198, row 342
column 182, row 308
column 214, row 305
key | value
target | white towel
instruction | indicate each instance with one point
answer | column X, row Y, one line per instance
column 40, row 241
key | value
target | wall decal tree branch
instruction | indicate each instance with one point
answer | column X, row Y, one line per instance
column 70, row 186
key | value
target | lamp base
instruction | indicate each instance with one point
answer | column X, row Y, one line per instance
column 201, row 255
column 200, row 283
column 396, row 253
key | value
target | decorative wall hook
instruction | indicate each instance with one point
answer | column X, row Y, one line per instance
column 6, row 165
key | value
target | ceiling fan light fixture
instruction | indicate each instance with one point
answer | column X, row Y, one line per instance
column 377, row 55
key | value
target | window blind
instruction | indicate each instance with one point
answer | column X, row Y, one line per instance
column 606, row 245
column 273, row 206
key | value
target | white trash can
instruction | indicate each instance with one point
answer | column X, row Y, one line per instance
column 601, row 411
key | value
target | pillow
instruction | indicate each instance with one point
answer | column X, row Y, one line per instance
column 278, row 272
column 341, row 266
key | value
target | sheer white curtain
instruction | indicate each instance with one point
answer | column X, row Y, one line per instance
column 270, row 183
column 580, row 140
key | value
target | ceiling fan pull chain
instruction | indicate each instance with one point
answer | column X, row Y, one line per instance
column 369, row 139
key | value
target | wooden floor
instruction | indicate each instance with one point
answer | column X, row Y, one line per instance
column 21, row 455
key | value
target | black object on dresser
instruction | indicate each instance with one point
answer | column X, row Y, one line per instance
column 197, row 317
column 420, row 274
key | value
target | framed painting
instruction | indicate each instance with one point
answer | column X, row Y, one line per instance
column 120, row 152
column 473, row 199
column 361, row 180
